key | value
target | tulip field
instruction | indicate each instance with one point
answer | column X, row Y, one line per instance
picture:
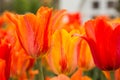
column 53, row 44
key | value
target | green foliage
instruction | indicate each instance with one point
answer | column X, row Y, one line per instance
column 95, row 74
column 23, row 6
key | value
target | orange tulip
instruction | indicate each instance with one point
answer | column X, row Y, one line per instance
column 107, row 75
column 104, row 39
column 34, row 31
column 62, row 57
column 23, row 63
column 79, row 76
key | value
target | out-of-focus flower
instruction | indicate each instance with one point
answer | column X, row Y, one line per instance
column 62, row 57
column 5, row 48
column 2, row 70
column 79, row 76
column 117, row 74
column 76, row 76
column 116, row 20
column 23, row 63
column 104, row 39
column 74, row 18
column 71, row 21
column 60, row 77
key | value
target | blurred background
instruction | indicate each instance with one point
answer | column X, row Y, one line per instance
column 87, row 8
column 23, row 6
column 92, row 8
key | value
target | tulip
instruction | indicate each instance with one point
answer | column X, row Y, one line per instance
column 85, row 59
column 5, row 54
column 60, row 77
column 78, row 75
column 103, row 39
column 7, row 40
column 117, row 74
column 34, row 31
column 73, row 21
column 74, row 18
column 2, row 70
column 62, row 57
column 23, row 63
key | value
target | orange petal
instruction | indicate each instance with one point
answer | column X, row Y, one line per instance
column 61, row 77
column 107, row 75
column 77, row 75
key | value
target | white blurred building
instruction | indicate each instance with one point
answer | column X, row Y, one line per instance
column 90, row 8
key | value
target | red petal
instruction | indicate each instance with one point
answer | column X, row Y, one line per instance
column 115, row 47
column 90, row 29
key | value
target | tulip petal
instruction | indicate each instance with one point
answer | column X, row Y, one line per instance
column 44, row 16
column 115, row 46
column 105, row 46
column 57, row 19
column 90, row 29
column 2, row 70
column 6, row 55
column 103, row 33
column 26, row 34
column 63, row 54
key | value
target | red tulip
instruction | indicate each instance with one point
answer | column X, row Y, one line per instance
column 2, row 70
column 74, row 18
column 104, row 41
column 71, row 21
column 5, row 54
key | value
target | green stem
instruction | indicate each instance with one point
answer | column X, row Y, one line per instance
column 13, row 78
column 39, row 67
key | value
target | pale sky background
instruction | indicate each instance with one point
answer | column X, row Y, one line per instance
column 70, row 5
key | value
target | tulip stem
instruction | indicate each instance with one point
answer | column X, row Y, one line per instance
column 41, row 72
column 39, row 67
